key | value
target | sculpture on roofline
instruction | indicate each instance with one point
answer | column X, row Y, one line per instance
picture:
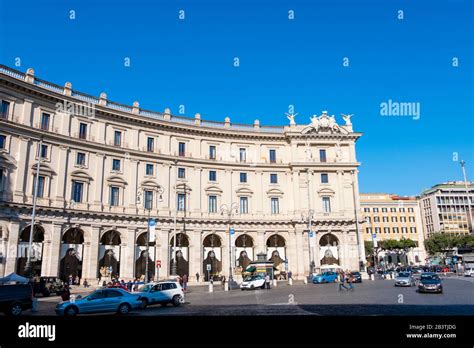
column 291, row 117
column 347, row 119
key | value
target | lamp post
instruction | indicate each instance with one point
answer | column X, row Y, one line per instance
column 231, row 210
column 469, row 212
column 28, row 267
column 148, row 205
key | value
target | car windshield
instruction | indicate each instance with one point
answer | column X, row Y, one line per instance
column 145, row 288
column 403, row 274
column 429, row 277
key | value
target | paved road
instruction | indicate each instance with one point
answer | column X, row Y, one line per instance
column 378, row 297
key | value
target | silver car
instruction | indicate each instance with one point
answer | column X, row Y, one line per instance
column 99, row 301
column 404, row 279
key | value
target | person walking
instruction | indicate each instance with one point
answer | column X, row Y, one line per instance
column 290, row 275
column 66, row 294
column 185, row 282
column 223, row 282
column 342, row 279
column 197, row 277
column 267, row 282
column 350, row 280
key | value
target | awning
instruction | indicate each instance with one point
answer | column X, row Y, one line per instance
column 14, row 278
column 250, row 269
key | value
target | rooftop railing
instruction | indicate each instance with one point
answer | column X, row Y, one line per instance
column 68, row 91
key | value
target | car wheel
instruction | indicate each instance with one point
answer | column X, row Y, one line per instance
column 176, row 300
column 263, row 286
column 15, row 309
column 124, row 308
column 242, row 289
column 70, row 311
column 144, row 303
column 252, row 287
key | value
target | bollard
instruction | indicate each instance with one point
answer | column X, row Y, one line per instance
column 372, row 277
column 211, row 287
column 305, row 280
column 274, row 282
column 290, row 281
column 226, row 286
column 34, row 307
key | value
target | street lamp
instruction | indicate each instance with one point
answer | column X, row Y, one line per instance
column 230, row 211
column 469, row 212
column 309, row 216
column 28, row 267
column 148, row 205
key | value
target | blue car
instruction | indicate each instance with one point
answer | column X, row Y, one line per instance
column 326, row 277
column 103, row 300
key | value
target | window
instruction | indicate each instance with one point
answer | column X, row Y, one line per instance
column 386, row 230
column 404, row 230
column 384, row 210
column 181, row 173
column 181, row 201
column 322, row 155
column 44, row 151
column 149, row 169
column 366, row 210
column 4, row 111
column 113, row 293
column 114, row 196
column 243, row 177
column 385, row 219
column 377, row 229
column 272, row 156
column 41, row 181
column 369, row 229
column 212, row 175
column 324, row 178
column 244, row 205
column 116, row 164
column 148, row 200
column 212, row 204
column 393, row 210
column 410, row 210
column 182, row 149
column 376, row 219
column 326, row 204
column 275, row 206
column 45, row 121
column 394, row 219
column 118, row 138
column 412, row 229
column 395, row 230
column 273, row 179
column 403, row 219
column 376, row 210
column 77, row 189
column 368, row 219
column 212, row 152
column 3, row 141
column 243, row 155
column 402, row 210
column 150, row 144
column 81, row 159
column 411, row 218
column 82, row 130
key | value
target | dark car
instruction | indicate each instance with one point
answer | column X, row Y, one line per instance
column 357, row 277
column 48, row 285
column 430, row 282
column 15, row 298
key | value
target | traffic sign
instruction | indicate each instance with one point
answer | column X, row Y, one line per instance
column 232, row 231
column 158, row 263
column 311, row 234
column 152, row 222
column 374, row 236
column 208, row 267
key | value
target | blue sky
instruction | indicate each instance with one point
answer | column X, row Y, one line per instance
column 282, row 62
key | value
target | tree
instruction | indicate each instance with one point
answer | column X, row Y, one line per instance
column 441, row 242
column 400, row 247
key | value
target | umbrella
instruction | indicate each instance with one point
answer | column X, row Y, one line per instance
column 14, row 278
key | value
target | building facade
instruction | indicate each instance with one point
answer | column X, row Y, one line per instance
column 106, row 168
column 445, row 208
column 388, row 216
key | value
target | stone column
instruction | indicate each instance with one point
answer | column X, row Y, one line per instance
column 292, row 252
column 12, row 247
column 194, row 254
column 51, row 250
column 225, row 253
column 90, row 260
column 26, row 116
column 340, row 191
column 60, row 187
column 259, row 197
column 98, row 183
column 260, row 246
column 165, row 249
column 130, row 197
column 302, row 255
column 127, row 257
column 296, row 192
column 22, row 172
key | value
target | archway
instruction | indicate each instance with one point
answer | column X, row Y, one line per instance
column 70, row 254
column 212, row 259
column 36, row 250
column 276, row 253
column 141, row 257
column 329, row 250
column 109, row 254
column 244, row 251
column 180, row 254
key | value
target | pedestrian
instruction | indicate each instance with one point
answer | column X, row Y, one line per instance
column 223, row 280
column 197, row 277
column 342, row 279
column 290, row 275
column 66, row 294
column 78, row 281
column 350, row 280
column 86, row 284
column 267, row 282
column 104, row 283
column 185, row 282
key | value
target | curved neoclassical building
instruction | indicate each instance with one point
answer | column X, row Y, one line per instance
column 105, row 168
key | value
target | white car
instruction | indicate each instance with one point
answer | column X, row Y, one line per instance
column 469, row 272
column 162, row 293
column 253, row 282
column 404, row 279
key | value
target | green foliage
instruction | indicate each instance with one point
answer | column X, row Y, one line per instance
column 440, row 242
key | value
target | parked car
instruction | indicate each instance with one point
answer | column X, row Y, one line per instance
column 48, row 285
column 325, row 277
column 404, row 279
column 357, row 277
column 469, row 272
column 430, row 282
column 16, row 298
column 162, row 293
column 102, row 300
column 253, row 282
